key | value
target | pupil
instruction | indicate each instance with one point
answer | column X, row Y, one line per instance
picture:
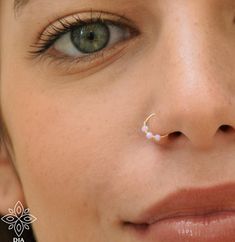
column 91, row 36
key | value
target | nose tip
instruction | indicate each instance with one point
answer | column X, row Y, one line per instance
column 196, row 125
column 201, row 115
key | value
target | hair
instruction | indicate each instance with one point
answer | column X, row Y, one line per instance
column 7, row 235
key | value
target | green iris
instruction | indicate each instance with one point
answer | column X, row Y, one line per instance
column 90, row 37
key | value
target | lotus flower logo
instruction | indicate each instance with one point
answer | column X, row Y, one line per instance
column 18, row 219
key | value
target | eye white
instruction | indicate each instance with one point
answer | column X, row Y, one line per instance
column 65, row 46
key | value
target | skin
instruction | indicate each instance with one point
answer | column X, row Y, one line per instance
column 78, row 159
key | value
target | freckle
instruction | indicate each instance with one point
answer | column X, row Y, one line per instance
column 85, row 204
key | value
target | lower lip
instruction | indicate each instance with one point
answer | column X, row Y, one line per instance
column 215, row 227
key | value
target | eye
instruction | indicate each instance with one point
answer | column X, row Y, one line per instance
column 76, row 38
column 90, row 38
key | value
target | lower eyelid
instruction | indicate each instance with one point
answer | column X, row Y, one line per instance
column 64, row 65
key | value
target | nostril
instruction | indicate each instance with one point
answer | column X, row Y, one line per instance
column 175, row 134
column 225, row 128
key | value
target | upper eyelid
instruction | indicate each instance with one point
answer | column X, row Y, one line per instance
column 76, row 16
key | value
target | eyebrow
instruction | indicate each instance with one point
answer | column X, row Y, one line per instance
column 19, row 4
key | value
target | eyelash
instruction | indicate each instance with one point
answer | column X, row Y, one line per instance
column 48, row 37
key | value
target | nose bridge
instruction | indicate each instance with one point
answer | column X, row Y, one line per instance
column 194, row 43
column 197, row 76
column 198, row 64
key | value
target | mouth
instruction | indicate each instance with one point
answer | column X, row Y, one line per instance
column 189, row 215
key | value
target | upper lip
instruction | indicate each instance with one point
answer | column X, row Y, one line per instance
column 190, row 201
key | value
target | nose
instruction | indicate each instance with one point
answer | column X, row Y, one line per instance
column 200, row 119
column 194, row 92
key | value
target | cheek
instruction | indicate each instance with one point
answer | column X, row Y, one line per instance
column 65, row 152
column 75, row 148
column 52, row 139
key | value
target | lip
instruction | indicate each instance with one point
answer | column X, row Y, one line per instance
column 190, row 201
column 207, row 210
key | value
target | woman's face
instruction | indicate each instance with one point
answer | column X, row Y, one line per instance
column 74, row 107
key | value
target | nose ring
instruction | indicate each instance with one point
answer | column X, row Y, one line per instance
column 149, row 134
